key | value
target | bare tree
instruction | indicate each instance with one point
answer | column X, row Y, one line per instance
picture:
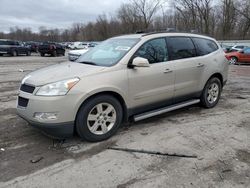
column 146, row 9
column 244, row 11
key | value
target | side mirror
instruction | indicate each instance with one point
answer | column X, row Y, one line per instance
column 242, row 51
column 140, row 62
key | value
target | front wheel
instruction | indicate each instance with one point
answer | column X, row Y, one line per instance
column 233, row 60
column 211, row 93
column 99, row 118
column 14, row 53
column 54, row 53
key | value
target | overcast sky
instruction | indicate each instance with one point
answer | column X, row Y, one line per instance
column 52, row 13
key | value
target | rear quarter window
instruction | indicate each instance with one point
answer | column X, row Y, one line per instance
column 204, row 46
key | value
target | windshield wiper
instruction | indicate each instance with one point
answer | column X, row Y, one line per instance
column 88, row 62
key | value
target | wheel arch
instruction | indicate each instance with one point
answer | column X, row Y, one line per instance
column 111, row 93
column 217, row 75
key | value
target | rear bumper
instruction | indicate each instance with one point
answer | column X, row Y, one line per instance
column 54, row 130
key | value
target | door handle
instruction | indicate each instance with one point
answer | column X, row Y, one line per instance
column 200, row 65
column 167, row 71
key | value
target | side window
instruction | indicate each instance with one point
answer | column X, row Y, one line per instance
column 154, row 50
column 181, row 47
column 239, row 47
column 247, row 51
column 204, row 46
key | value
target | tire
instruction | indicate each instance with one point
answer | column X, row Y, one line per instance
column 42, row 54
column 54, row 54
column 233, row 60
column 28, row 53
column 88, row 117
column 14, row 53
column 211, row 93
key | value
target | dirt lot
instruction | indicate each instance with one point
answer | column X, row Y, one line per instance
column 161, row 151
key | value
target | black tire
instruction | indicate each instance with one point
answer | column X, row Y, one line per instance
column 82, row 115
column 28, row 53
column 1, row 54
column 14, row 53
column 42, row 54
column 205, row 93
column 233, row 60
column 54, row 54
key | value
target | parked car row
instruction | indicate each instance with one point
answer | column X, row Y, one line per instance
column 15, row 48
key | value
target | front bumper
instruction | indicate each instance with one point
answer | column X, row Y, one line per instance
column 64, row 106
column 73, row 57
column 54, row 130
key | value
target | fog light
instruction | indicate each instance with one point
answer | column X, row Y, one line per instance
column 45, row 115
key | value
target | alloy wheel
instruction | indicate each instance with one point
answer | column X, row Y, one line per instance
column 213, row 93
column 101, row 118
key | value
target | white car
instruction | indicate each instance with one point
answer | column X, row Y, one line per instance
column 238, row 47
column 78, row 45
column 75, row 54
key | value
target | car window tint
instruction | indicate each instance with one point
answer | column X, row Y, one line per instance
column 239, row 47
column 247, row 51
column 204, row 46
column 181, row 47
column 155, row 51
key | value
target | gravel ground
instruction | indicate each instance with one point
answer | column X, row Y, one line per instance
column 191, row 147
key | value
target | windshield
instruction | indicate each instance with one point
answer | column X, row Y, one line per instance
column 108, row 52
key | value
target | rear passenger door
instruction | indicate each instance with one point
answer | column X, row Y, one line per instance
column 187, row 70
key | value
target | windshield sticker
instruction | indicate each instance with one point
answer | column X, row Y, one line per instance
column 122, row 48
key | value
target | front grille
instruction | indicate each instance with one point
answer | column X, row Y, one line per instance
column 27, row 88
column 23, row 102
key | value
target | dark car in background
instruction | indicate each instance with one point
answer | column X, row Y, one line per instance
column 32, row 45
column 13, row 48
column 51, row 48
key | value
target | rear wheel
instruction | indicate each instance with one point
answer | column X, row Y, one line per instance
column 42, row 54
column 99, row 118
column 211, row 93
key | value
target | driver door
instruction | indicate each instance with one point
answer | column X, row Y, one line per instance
column 154, row 84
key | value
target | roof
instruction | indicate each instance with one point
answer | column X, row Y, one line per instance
column 140, row 35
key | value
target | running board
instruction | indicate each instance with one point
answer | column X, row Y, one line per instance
column 164, row 110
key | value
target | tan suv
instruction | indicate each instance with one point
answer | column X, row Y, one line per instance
column 129, row 77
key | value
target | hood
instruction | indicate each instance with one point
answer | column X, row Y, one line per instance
column 6, row 46
column 78, row 52
column 61, row 71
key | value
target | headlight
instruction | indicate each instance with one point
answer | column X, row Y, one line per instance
column 57, row 88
